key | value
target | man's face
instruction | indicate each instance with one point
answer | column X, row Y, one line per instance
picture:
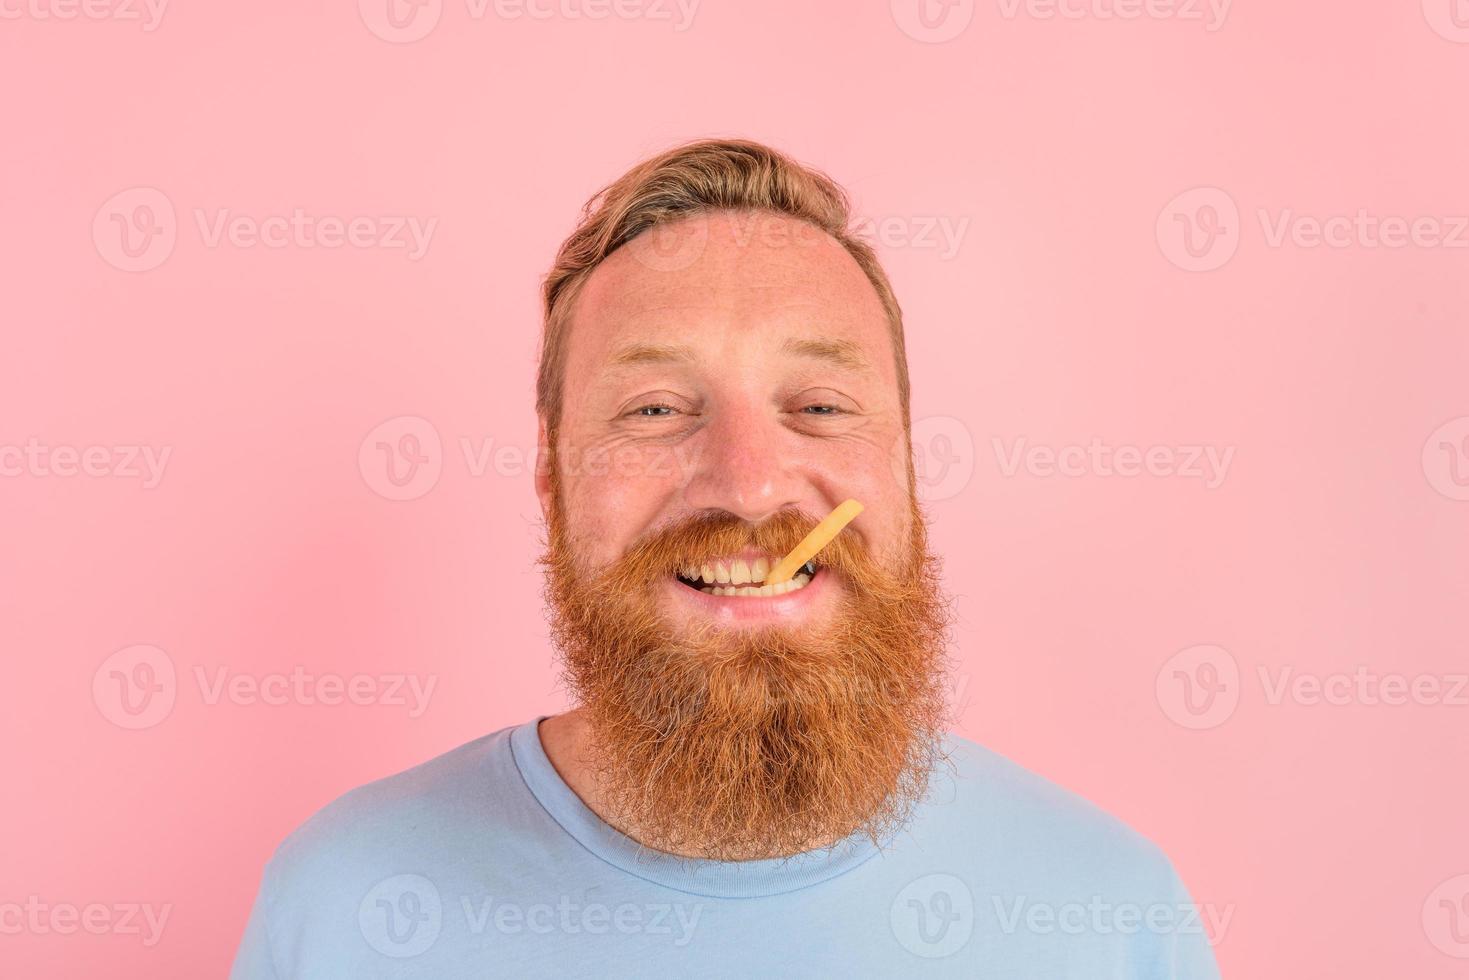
column 735, row 363
column 730, row 380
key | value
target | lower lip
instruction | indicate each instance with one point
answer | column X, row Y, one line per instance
column 759, row 608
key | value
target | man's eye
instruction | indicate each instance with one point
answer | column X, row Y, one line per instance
column 654, row 411
column 822, row 410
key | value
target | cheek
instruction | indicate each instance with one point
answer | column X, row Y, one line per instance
column 875, row 473
column 615, row 495
column 888, row 511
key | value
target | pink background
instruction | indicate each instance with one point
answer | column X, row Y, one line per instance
column 1093, row 604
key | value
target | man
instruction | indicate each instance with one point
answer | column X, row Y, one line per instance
column 756, row 780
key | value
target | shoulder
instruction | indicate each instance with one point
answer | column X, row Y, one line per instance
column 407, row 819
column 1021, row 820
column 1056, row 877
column 375, row 844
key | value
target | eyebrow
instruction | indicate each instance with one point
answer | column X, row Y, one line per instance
column 652, row 354
column 843, row 353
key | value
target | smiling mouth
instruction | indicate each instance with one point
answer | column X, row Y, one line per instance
column 739, row 577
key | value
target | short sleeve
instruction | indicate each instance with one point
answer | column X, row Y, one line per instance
column 254, row 959
column 1190, row 955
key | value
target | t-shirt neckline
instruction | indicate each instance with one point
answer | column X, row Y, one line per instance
column 698, row 876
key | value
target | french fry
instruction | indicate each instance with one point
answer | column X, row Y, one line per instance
column 812, row 543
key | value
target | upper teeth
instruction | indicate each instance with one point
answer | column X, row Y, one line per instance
column 737, row 572
column 726, row 577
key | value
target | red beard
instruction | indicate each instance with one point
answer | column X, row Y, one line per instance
column 736, row 744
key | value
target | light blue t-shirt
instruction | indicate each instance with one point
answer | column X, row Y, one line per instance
column 483, row 863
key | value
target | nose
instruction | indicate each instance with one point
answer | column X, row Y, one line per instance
column 744, row 464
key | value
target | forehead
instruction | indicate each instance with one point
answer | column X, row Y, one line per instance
column 728, row 284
